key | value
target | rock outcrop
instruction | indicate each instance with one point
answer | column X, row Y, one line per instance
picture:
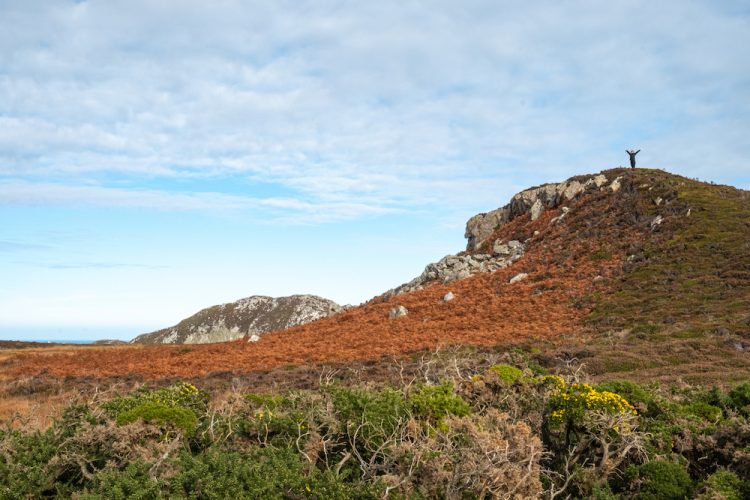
column 251, row 317
column 533, row 201
column 481, row 227
column 457, row 267
column 397, row 312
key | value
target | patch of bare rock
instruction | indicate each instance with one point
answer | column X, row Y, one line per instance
column 457, row 267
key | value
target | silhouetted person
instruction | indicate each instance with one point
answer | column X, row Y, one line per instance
column 632, row 157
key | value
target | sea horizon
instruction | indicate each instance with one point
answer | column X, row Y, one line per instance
column 70, row 334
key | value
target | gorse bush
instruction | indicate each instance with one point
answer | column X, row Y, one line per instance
column 181, row 394
column 23, row 461
column 660, row 480
column 574, row 402
column 506, row 373
column 725, row 485
column 434, row 403
column 503, row 433
column 162, row 415
column 261, row 473
column 373, row 415
column 739, row 398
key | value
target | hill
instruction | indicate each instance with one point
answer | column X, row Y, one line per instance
column 591, row 342
column 249, row 317
column 637, row 272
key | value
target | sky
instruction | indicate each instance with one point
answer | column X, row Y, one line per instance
column 160, row 157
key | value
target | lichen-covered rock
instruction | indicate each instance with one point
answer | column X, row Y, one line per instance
column 481, row 226
column 457, row 267
column 536, row 209
column 251, row 316
column 513, row 248
column 518, row 277
column 397, row 312
column 534, row 201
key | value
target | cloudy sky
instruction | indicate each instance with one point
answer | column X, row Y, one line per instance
column 159, row 157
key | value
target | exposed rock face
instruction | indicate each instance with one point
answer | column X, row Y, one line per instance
column 397, row 312
column 481, row 226
column 457, row 267
column 252, row 317
column 536, row 209
column 533, row 201
column 518, row 277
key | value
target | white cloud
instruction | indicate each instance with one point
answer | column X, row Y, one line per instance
column 382, row 103
column 23, row 192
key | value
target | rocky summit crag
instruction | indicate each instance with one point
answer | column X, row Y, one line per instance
column 531, row 201
column 250, row 317
column 501, row 253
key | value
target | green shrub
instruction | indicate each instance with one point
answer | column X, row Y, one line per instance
column 717, row 397
column 269, row 401
column 602, row 491
column 435, row 402
column 260, row 473
column 377, row 414
column 131, row 483
column 659, row 480
column 702, row 410
column 23, row 463
column 634, row 393
column 739, row 398
column 181, row 394
column 278, row 427
column 723, row 484
column 506, row 373
column 163, row 415
column 72, row 418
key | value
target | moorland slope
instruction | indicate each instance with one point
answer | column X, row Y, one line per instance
column 637, row 271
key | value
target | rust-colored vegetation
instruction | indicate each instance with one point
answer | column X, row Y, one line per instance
column 604, row 256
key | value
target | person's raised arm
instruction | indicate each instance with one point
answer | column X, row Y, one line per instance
column 637, row 152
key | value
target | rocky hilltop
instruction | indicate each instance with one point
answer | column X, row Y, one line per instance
column 486, row 255
column 251, row 317
column 639, row 272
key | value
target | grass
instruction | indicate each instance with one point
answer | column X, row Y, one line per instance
column 694, row 272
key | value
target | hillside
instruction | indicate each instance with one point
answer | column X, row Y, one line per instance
column 250, row 317
column 637, row 272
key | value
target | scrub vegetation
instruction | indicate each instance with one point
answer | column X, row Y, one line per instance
column 444, row 432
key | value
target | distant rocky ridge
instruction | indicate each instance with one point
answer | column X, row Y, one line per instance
column 251, row 317
column 109, row 342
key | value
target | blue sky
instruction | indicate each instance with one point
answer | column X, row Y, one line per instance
column 160, row 157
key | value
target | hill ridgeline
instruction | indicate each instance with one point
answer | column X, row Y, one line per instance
column 250, row 317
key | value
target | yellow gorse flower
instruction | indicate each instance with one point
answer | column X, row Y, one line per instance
column 577, row 399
